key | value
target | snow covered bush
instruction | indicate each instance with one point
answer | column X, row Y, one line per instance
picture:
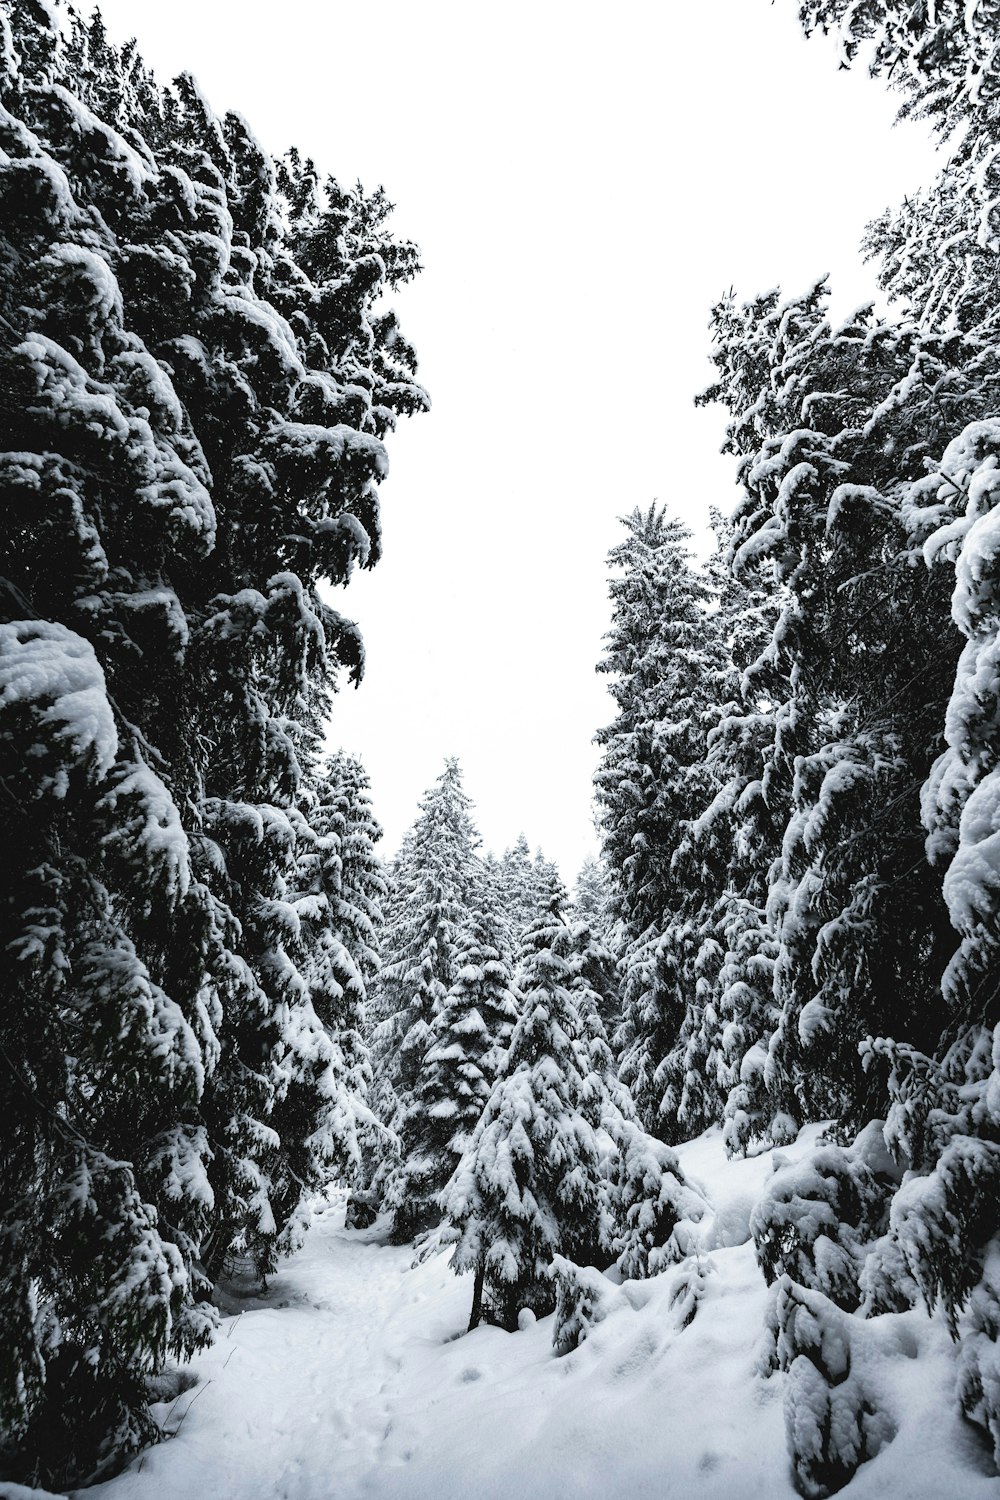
column 584, row 1297
column 652, row 1205
column 196, row 388
column 815, row 1220
column 979, row 1356
column 689, row 1288
column 832, row 1424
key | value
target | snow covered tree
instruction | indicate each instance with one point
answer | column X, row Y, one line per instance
column 523, row 881
column 486, row 959
column 529, row 1185
column 939, row 255
column 518, row 886
column 943, row 1238
column 471, row 1035
column 653, row 656
column 590, row 895
column 831, row 425
column 344, row 795
column 430, row 895
column 662, row 655
column 194, row 400
column 324, row 1119
column 591, row 981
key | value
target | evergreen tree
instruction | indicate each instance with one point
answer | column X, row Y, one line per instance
column 360, row 895
column 522, row 879
column 857, row 667
column 934, row 1236
column 433, row 885
column 471, row 1036
column 325, row 1115
column 529, row 1185
column 590, row 896
column 196, row 384
column 944, row 1119
column 591, row 980
column 661, row 655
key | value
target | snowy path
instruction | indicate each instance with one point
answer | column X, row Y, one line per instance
column 293, row 1400
column 352, row 1379
column 348, row 1380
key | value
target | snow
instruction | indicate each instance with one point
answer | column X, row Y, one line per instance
column 93, row 280
column 70, row 398
column 55, row 674
column 352, row 1375
column 145, row 823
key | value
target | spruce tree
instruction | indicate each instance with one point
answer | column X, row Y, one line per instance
column 934, row 1235
column 324, row 1119
column 196, row 385
column 468, row 1052
column 856, row 669
column 661, row 655
column 519, row 884
column 529, row 1185
column 590, row 896
column 432, row 887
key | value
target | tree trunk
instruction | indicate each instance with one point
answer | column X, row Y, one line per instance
column 477, row 1297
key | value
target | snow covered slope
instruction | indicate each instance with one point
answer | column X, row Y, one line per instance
column 352, row 1377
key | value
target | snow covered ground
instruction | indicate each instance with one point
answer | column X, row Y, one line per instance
column 353, row 1377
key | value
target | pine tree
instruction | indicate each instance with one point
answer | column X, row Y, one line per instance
column 857, row 666
column 591, row 980
column 324, row 1119
column 662, row 655
column 529, row 1185
column 471, row 1036
column 939, row 1241
column 945, row 1112
column 194, row 403
column 519, row 886
column 433, row 885
column 590, row 896
column 726, row 856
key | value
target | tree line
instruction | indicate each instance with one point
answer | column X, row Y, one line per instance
column 800, row 795
column 198, row 375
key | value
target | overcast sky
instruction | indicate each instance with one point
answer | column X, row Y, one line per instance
column 583, row 185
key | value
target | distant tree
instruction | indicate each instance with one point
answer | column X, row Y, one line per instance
column 471, row 1035
column 518, row 886
column 594, row 983
column 325, row 1121
column 429, row 901
column 529, row 1185
column 590, row 895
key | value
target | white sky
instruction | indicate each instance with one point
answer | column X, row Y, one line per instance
column 583, row 187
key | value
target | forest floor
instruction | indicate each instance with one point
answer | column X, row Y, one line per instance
column 352, row 1376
